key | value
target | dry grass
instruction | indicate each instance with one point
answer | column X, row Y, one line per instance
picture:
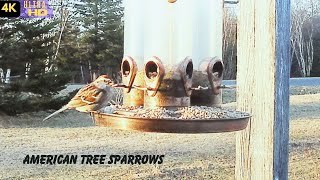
column 199, row 156
column 305, row 149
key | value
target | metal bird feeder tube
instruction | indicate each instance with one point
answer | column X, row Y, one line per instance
column 133, row 62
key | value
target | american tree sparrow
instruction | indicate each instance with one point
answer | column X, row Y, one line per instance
column 91, row 97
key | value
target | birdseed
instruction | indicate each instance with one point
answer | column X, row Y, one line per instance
column 183, row 113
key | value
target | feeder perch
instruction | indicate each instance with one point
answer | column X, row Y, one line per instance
column 209, row 75
column 154, row 72
column 186, row 72
column 128, row 72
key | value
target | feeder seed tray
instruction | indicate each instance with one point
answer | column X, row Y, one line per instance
column 192, row 119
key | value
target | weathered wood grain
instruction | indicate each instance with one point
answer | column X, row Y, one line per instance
column 263, row 89
column 283, row 64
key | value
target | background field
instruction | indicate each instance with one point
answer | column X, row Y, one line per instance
column 200, row 156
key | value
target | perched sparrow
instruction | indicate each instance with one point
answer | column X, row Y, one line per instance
column 91, row 97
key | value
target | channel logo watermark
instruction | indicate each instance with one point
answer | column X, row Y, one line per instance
column 26, row 9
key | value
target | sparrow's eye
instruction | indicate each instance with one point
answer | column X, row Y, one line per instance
column 108, row 81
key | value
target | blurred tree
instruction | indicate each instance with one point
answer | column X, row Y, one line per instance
column 103, row 35
column 25, row 47
column 83, row 35
column 303, row 28
column 229, row 43
column 316, row 44
column 8, row 39
column 69, row 56
column 35, row 45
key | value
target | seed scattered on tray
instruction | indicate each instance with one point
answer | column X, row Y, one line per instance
column 190, row 112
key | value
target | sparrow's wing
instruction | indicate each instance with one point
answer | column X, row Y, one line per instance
column 88, row 95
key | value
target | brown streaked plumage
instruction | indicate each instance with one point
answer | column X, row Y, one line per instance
column 91, row 97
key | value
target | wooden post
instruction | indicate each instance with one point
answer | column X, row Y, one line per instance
column 263, row 89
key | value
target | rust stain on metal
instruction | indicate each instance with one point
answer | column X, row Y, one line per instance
column 135, row 97
column 171, row 92
column 204, row 97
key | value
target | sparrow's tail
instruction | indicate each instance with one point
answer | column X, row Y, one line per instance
column 57, row 112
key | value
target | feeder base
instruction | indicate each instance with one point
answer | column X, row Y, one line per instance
column 170, row 125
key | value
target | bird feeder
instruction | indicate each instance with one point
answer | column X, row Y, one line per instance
column 172, row 62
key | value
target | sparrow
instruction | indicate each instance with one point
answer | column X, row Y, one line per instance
column 91, row 97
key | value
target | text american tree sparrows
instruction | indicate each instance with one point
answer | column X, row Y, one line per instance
column 91, row 97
